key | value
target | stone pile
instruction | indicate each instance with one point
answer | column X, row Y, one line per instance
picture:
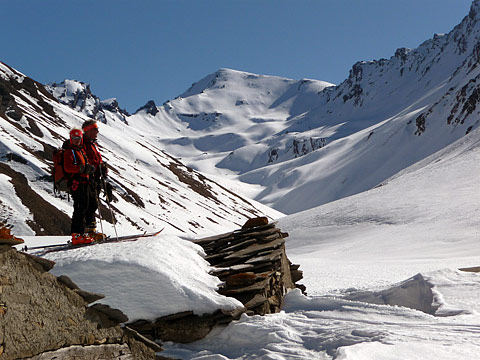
column 254, row 268
column 253, row 265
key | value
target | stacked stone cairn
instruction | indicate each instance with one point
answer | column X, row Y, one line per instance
column 254, row 269
column 253, row 265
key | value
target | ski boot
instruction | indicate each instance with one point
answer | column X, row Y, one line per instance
column 6, row 236
column 92, row 232
column 81, row 239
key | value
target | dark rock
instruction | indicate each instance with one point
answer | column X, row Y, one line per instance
column 150, row 108
column 151, row 344
column 184, row 329
column 242, row 279
column 269, row 257
column 297, row 275
column 176, row 316
column 255, row 222
column 258, row 300
column 471, row 269
column 64, row 279
column 90, row 297
column 114, row 314
column 252, row 250
column 256, row 287
column 45, row 264
column 60, row 325
column 302, row 287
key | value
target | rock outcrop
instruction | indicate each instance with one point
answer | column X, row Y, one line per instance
column 45, row 317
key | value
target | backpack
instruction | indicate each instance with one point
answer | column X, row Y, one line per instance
column 61, row 180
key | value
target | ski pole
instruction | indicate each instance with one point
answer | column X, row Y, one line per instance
column 100, row 215
column 109, row 206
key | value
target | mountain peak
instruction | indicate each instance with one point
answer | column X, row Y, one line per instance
column 150, row 108
column 78, row 95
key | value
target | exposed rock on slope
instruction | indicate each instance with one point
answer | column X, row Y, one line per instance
column 41, row 317
column 78, row 96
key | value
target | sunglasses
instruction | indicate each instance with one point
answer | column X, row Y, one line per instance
column 76, row 138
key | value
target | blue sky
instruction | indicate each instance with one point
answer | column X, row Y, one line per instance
column 155, row 49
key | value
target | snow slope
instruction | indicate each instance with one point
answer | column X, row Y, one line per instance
column 152, row 189
column 361, row 256
column 303, row 143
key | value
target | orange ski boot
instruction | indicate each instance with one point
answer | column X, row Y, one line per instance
column 81, row 239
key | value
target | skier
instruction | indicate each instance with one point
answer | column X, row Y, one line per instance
column 78, row 171
column 97, row 179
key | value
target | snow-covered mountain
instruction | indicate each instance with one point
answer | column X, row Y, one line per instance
column 306, row 142
column 78, row 96
column 381, row 271
column 151, row 188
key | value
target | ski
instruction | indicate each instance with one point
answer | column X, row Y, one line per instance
column 109, row 239
column 129, row 237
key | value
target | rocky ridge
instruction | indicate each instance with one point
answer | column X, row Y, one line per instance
column 78, row 96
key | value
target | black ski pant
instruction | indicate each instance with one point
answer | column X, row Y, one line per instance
column 84, row 207
column 92, row 204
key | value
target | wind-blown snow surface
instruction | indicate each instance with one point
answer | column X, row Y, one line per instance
column 424, row 220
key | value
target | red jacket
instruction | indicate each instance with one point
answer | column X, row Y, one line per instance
column 74, row 162
column 93, row 155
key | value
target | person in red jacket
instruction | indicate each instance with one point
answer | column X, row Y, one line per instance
column 78, row 170
column 97, row 179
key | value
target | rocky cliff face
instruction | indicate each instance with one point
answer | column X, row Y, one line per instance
column 42, row 317
column 441, row 73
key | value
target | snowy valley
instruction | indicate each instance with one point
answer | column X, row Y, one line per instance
column 378, row 175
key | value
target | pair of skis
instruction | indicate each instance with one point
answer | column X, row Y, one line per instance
column 110, row 239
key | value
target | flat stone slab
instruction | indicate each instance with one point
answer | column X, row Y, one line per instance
column 256, row 249
column 272, row 257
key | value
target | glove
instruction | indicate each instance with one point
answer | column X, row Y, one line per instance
column 89, row 169
column 108, row 191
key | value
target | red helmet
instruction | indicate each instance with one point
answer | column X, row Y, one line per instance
column 75, row 134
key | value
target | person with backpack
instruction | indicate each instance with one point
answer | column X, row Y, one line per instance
column 97, row 181
column 78, row 171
